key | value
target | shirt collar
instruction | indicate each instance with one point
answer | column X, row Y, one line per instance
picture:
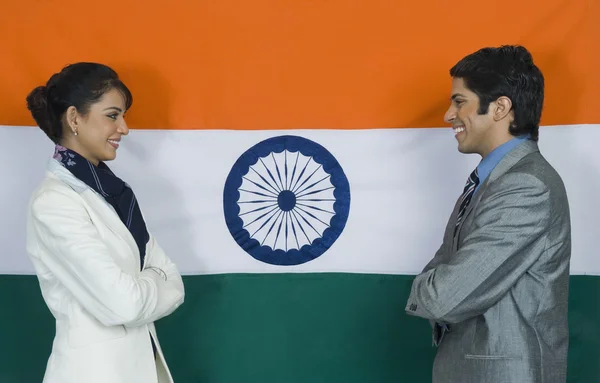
column 488, row 164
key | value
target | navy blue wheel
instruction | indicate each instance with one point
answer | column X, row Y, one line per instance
column 286, row 200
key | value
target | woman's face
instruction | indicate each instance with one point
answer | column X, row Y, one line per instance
column 99, row 131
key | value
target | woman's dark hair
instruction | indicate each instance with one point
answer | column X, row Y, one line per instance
column 79, row 85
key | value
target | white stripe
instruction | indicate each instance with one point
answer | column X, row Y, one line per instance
column 96, row 179
column 130, row 214
column 403, row 182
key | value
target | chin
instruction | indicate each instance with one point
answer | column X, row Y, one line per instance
column 109, row 157
column 465, row 149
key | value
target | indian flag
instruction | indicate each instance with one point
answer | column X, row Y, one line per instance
column 291, row 158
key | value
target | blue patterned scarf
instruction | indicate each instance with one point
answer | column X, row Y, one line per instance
column 116, row 192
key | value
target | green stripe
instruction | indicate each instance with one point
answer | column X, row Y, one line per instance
column 284, row 328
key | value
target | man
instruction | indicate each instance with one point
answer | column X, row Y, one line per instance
column 496, row 291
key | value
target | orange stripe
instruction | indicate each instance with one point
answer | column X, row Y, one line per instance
column 272, row 64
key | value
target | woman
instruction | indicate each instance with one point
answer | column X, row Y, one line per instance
column 103, row 276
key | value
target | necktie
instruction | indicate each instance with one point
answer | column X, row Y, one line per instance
column 465, row 198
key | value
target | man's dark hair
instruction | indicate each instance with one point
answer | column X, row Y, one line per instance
column 506, row 71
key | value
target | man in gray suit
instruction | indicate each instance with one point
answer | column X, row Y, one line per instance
column 496, row 291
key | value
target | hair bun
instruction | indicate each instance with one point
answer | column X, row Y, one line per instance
column 37, row 103
column 37, row 98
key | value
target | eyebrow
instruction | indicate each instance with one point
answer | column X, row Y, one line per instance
column 455, row 95
column 114, row 108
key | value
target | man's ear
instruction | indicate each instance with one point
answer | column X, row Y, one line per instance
column 502, row 108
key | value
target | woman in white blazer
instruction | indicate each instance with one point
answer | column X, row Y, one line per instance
column 103, row 276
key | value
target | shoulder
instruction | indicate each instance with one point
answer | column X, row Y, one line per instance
column 532, row 177
column 52, row 193
column 535, row 169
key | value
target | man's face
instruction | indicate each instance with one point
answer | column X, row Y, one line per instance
column 473, row 131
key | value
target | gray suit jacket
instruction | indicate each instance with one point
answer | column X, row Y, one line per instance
column 501, row 284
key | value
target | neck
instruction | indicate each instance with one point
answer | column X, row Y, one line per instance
column 74, row 146
column 494, row 142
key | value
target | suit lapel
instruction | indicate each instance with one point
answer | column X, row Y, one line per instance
column 97, row 204
column 507, row 162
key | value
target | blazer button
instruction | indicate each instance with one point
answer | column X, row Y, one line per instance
column 413, row 307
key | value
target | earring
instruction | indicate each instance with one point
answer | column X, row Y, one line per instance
column 75, row 132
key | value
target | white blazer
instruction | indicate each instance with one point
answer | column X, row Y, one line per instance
column 88, row 266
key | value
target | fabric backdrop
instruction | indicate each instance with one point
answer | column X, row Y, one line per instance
column 292, row 159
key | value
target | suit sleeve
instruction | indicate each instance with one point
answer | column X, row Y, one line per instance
column 439, row 254
column 506, row 239
column 436, row 260
column 79, row 259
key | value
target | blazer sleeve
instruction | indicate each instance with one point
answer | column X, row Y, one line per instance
column 73, row 251
column 171, row 293
column 506, row 238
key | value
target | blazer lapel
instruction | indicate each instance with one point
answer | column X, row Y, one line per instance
column 98, row 204
column 507, row 162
